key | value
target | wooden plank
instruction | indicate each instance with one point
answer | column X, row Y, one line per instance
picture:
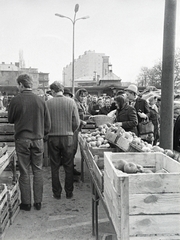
column 3, row 120
column 98, row 175
column 155, row 237
column 111, row 194
column 100, row 151
column 154, row 183
column 167, row 224
column 124, row 208
column 6, row 138
column 167, row 203
column 2, row 235
column 12, row 218
column 171, row 165
column 6, row 128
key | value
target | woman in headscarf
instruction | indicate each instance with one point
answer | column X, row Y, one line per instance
column 126, row 115
column 80, row 100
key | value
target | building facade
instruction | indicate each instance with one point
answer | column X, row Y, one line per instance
column 9, row 73
column 90, row 65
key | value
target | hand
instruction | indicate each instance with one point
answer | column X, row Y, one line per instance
column 84, row 123
column 142, row 115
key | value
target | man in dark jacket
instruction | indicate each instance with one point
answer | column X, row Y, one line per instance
column 31, row 120
column 141, row 105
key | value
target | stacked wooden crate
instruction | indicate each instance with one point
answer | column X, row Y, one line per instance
column 6, row 129
column 13, row 200
column 4, row 210
column 143, row 205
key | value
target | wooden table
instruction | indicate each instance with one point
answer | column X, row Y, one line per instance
column 96, row 191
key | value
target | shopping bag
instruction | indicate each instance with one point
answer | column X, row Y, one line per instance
column 145, row 127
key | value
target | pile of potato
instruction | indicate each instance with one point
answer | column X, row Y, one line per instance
column 130, row 167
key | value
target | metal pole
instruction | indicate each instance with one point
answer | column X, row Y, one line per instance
column 73, row 59
column 167, row 84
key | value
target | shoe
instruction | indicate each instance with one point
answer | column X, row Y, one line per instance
column 37, row 206
column 56, row 196
column 76, row 172
column 25, row 207
column 69, row 195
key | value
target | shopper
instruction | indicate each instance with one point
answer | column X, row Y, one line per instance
column 140, row 104
column 64, row 122
column 154, row 117
column 126, row 115
column 31, row 119
column 106, row 108
column 80, row 100
column 92, row 104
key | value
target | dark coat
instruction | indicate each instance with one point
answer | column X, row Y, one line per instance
column 141, row 104
column 128, row 116
column 104, row 110
column 176, row 135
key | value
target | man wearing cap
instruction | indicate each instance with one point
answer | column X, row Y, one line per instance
column 31, row 119
column 64, row 121
column 141, row 105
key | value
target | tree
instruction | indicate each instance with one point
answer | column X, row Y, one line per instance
column 152, row 76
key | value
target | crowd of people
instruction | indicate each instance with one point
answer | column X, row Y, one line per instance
column 58, row 119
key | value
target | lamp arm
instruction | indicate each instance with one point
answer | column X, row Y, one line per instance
column 69, row 19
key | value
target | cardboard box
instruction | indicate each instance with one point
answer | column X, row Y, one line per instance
column 143, row 205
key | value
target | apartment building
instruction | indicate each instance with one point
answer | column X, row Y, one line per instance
column 90, row 66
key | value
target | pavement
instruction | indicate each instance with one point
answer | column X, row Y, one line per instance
column 69, row 219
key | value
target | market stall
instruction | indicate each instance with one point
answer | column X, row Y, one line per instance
column 138, row 198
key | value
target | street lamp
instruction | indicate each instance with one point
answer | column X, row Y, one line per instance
column 73, row 22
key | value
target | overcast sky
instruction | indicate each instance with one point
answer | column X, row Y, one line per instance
column 130, row 32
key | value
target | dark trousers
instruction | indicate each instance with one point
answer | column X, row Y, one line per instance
column 61, row 153
column 30, row 154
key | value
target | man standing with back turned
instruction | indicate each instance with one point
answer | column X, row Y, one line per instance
column 64, row 121
column 31, row 119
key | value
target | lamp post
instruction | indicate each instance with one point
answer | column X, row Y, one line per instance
column 74, row 20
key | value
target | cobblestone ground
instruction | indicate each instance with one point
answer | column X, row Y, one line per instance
column 60, row 219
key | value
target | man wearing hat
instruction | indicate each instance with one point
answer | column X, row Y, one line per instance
column 141, row 105
column 67, row 93
column 64, row 121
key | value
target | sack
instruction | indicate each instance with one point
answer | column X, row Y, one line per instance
column 145, row 127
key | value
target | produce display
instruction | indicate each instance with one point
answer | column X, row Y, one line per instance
column 107, row 135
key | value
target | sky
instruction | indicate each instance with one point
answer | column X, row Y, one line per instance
column 130, row 32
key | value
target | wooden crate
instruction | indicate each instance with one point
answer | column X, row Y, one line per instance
column 98, row 173
column 123, row 143
column 13, row 193
column 3, row 158
column 134, row 148
column 144, row 205
column 4, row 209
column 6, row 128
column 111, row 136
column 13, row 212
column 100, row 151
